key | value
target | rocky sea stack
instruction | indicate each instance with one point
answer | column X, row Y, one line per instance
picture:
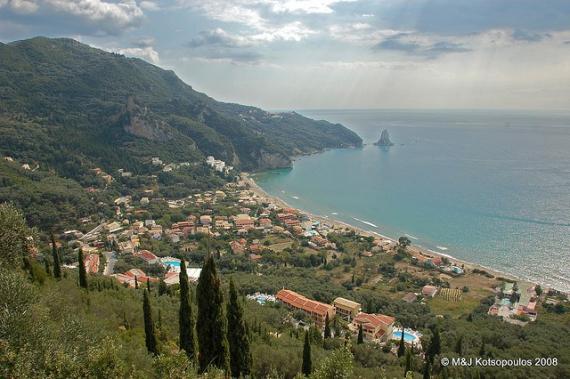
column 384, row 139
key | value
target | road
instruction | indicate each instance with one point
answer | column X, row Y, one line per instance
column 111, row 259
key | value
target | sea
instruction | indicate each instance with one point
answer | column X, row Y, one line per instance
column 484, row 186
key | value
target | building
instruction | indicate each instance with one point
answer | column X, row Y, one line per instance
column 347, row 309
column 316, row 310
column 375, row 327
column 244, row 221
column 429, row 291
column 91, row 262
column 147, row 256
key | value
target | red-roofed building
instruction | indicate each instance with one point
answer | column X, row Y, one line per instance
column 315, row 309
column 129, row 277
column 147, row 256
column 91, row 262
column 429, row 291
column 374, row 326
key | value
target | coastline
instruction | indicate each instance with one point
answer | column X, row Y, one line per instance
column 414, row 249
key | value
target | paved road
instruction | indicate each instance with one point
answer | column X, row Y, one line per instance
column 111, row 259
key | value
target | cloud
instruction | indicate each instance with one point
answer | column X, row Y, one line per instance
column 420, row 45
column 262, row 29
column 110, row 17
column 218, row 37
column 144, row 42
column 20, row 6
column 523, row 35
column 303, row 6
column 147, row 53
column 149, row 5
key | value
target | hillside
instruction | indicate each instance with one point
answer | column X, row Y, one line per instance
column 67, row 108
column 115, row 110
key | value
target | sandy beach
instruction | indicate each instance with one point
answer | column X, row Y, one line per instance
column 340, row 225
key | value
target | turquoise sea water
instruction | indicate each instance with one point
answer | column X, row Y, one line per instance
column 490, row 187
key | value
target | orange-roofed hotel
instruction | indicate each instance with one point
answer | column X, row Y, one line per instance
column 315, row 309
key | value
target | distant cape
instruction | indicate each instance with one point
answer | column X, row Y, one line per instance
column 384, row 139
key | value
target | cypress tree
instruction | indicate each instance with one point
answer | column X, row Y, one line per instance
column 185, row 315
column 136, row 283
column 240, row 355
column 408, row 361
column 162, row 288
column 360, row 339
column 307, row 367
column 82, row 272
column 434, row 345
column 402, row 346
column 213, row 328
column 55, row 256
column 148, row 284
column 327, row 333
column 47, row 268
column 459, row 345
column 427, row 370
column 150, row 337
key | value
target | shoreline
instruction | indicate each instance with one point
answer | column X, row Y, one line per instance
column 414, row 249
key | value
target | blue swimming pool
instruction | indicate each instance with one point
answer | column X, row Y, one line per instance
column 172, row 263
column 408, row 337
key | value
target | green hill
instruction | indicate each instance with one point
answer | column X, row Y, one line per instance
column 66, row 108
column 116, row 111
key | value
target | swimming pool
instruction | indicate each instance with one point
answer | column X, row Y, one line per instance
column 408, row 337
column 172, row 263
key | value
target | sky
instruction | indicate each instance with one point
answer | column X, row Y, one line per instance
column 317, row 54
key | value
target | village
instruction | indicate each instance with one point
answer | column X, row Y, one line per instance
column 139, row 249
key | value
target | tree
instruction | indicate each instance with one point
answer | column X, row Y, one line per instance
column 162, row 288
column 148, row 284
column 360, row 339
column 307, row 367
column 404, row 242
column 408, row 361
column 55, row 257
column 240, row 354
column 136, row 283
column 338, row 365
column 434, row 345
column 327, row 333
column 427, row 370
column 459, row 345
column 186, row 316
column 14, row 234
column 47, row 267
column 150, row 336
column 212, row 333
column 402, row 346
column 82, row 272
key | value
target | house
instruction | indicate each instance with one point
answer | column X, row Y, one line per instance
column 316, row 310
column 265, row 223
column 244, row 221
column 429, row 291
column 205, row 220
column 410, row 297
column 255, row 248
column 91, row 263
column 147, row 256
column 347, row 309
column 113, row 227
column 374, row 326
column 173, row 277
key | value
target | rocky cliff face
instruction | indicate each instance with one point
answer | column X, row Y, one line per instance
column 384, row 139
column 267, row 160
